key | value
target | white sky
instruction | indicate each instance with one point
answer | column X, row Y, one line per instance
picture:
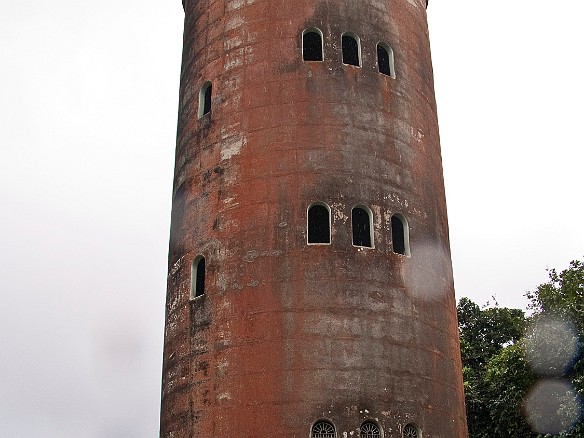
column 88, row 102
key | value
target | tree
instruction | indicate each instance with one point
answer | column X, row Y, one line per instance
column 496, row 375
column 562, row 297
column 495, row 348
column 483, row 333
column 507, row 380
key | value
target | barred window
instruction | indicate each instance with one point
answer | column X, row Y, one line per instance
column 370, row 430
column 322, row 429
column 411, row 431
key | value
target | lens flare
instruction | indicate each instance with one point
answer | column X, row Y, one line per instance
column 552, row 406
column 551, row 346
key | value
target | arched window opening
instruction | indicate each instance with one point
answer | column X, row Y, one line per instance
column 411, row 431
column 198, row 277
column 369, row 430
column 322, row 429
column 400, row 234
column 351, row 50
column 205, row 99
column 319, row 224
column 312, row 45
column 361, row 221
column 385, row 60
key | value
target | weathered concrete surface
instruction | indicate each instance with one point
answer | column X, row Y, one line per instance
column 288, row 333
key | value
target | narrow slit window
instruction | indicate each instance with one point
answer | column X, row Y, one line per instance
column 319, row 224
column 351, row 50
column 361, row 224
column 198, row 277
column 312, row 45
column 400, row 235
column 322, row 429
column 205, row 99
column 385, row 60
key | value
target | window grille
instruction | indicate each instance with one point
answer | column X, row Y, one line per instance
column 322, row 429
column 370, row 430
column 411, row 431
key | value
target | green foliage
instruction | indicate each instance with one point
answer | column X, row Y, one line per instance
column 507, row 380
column 563, row 296
column 483, row 333
column 497, row 376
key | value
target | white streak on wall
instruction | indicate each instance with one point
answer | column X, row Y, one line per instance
column 232, row 146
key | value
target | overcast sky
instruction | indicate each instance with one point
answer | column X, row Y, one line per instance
column 88, row 102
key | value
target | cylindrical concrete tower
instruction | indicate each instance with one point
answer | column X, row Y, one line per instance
column 310, row 289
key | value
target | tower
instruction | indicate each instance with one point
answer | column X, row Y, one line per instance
column 310, row 289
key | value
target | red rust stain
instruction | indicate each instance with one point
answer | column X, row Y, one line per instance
column 289, row 333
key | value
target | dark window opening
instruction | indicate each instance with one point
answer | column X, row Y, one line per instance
column 398, row 235
column 350, row 50
column 207, row 99
column 383, row 60
column 312, row 46
column 198, row 277
column 319, row 228
column 361, row 227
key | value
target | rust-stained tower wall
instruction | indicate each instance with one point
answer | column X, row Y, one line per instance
column 286, row 333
